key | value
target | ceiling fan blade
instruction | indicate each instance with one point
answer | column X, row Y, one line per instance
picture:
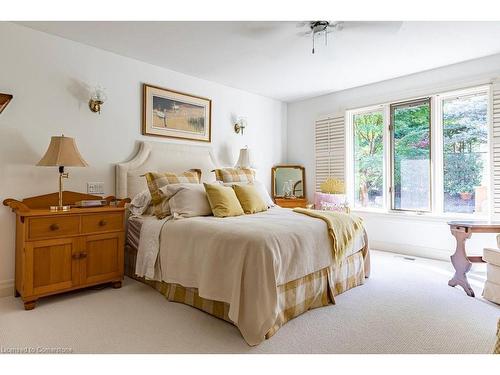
column 337, row 25
column 257, row 29
column 304, row 33
column 375, row 26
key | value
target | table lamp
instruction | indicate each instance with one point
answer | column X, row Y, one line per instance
column 244, row 160
column 62, row 152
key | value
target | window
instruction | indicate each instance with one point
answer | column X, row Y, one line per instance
column 411, row 155
column 368, row 159
column 430, row 154
column 465, row 153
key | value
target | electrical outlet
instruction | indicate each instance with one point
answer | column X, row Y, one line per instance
column 95, row 188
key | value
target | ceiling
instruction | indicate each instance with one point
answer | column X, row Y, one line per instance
column 271, row 59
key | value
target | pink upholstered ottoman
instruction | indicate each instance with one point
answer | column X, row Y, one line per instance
column 330, row 201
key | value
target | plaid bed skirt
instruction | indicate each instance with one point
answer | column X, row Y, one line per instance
column 294, row 298
column 496, row 350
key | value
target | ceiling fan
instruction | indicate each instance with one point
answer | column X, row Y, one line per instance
column 323, row 28
column 318, row 28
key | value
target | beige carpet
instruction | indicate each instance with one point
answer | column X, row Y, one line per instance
column 405, row 307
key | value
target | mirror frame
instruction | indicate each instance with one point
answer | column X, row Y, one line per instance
column 273, row 178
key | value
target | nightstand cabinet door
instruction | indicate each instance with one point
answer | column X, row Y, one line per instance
column 51, row 265
column 101, row 258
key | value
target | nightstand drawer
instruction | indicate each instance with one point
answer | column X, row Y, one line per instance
column 102, row 223
column 48, row 227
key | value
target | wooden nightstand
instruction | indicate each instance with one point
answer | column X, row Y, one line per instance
column 66, row 250
column 291, row 202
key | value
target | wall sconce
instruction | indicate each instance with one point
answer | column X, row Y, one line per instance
column 240, row 125
column 97, row 98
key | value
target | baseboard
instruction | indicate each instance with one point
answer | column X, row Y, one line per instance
column 418, row 251
column 6, row 288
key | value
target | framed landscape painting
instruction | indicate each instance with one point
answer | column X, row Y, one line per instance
column 174, row 114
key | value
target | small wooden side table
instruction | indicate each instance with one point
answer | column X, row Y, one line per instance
column 462, row 231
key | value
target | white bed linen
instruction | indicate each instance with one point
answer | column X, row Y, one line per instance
column 238, row 260
column 147, row 263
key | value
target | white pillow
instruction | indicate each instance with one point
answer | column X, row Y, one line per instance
column 140, row 203
column 260, row 188
column 187, row 200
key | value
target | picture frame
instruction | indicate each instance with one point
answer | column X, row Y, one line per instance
column 175, row 114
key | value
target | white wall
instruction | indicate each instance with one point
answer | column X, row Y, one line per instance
column 47, row 76
column 414, row 236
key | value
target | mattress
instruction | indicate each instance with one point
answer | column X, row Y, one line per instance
column 134, row 225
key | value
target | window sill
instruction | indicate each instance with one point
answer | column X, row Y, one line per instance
column 412, row 216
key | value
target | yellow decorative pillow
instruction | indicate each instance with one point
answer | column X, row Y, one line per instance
column 249, row 198
column 223, row 200
column 158, row 180
column 235, row 175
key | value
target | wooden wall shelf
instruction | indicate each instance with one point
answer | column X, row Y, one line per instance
column 4, row 100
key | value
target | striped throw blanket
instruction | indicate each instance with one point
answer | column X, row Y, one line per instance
column 342, row 228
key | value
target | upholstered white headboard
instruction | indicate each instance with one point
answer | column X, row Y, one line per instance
column 162, row 157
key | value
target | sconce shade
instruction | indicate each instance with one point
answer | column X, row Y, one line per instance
column 244, row 159
column 62, row 151
column 98, row 94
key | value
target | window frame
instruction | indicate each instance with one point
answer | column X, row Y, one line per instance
column 392, row 193
column 440, row 98
column 384, row 167
column 436, row 101
column 350, row 161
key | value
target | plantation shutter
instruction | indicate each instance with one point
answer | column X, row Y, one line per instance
column 329, row 149
column 495, row 154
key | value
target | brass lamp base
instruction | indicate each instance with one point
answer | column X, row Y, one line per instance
column 60, row 208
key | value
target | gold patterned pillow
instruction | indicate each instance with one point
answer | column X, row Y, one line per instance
column 235, row 175
column 158, row 180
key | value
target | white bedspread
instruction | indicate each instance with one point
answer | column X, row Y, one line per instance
column 238, row 260
column 147, row 263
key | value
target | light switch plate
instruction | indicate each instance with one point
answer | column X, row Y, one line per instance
column 95, row 188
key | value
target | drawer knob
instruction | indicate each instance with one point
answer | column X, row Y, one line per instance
column 102, row 223
column 54, row 227
column 83, row 255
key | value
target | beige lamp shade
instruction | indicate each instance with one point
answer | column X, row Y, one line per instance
column 244, row 159
column 62, row 151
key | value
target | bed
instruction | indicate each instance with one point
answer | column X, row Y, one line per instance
column 255, row 271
